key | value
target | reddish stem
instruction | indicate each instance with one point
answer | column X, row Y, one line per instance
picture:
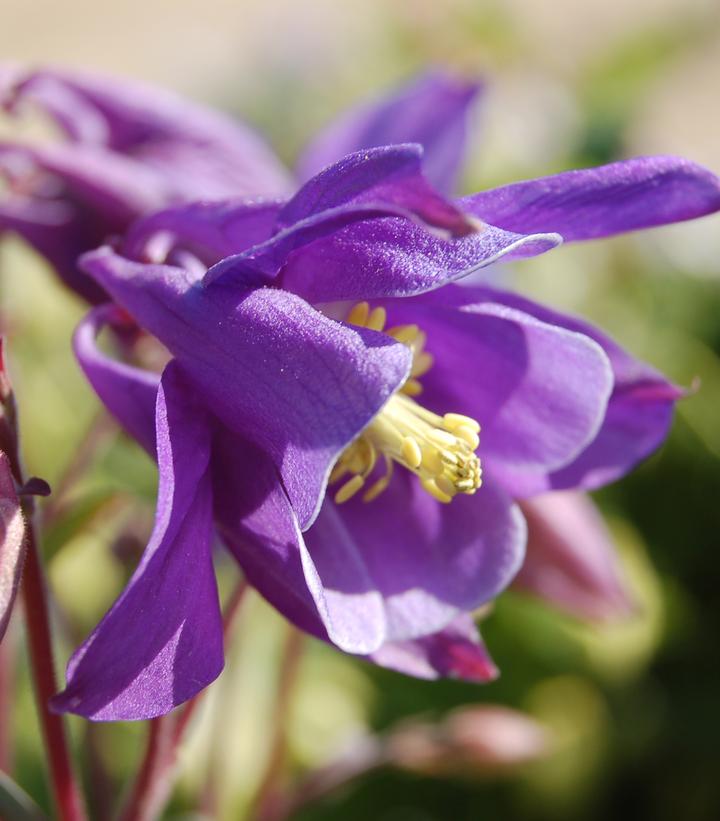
column 67, row 794
column 156, row 776
column 7, row 686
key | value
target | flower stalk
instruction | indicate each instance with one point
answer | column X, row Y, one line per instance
column 68, row 798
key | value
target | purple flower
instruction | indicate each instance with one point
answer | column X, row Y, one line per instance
column 128, row 149
column 284, row 380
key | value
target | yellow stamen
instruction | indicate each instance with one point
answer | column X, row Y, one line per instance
column 412, row 387
column 376, row 320
column 349, row 489
column 359, row 314
column 420, row 441
column 404, row 333
column 438, row 449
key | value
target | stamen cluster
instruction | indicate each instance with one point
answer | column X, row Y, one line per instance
column 438, row 449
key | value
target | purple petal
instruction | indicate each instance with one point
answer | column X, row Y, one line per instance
column 12, row 543
column 637, row 420
column 599, row 202
column 390, row 257
column 424, row 562
column 275, row 370
column 209, row 230
column 432, row 111
column 455, row 652
column 206, row 153
column 571, row 560
column 128, row 393
column 259, row 525
column 161, row 642
column 362, row 186
column 539, row 391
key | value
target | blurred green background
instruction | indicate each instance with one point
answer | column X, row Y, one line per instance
column 633, row 707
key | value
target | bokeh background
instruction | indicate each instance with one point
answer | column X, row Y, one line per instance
column 633, row 708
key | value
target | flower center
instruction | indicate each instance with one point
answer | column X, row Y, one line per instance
column 440, row 450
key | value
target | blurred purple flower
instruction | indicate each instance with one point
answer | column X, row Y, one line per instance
column 128, row 149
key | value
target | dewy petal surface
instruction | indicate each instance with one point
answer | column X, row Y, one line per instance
column 638, row 417
column 360, row 187
column 426, row 561
column 161, row 642
column 269, row 366
column 431, row 110
column 539, row 391
column 600, row 202
column 388, row 257
column 571, row 560
column 455, row 652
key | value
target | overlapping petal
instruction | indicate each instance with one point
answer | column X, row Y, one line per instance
column 161, row 642
column 599, row 202
column 539, row 391
column 128, row 393
column 455, row 652
column 432, row 110
column 271, row 367
column 361, row 186
column 639, row 411
column 391, row 257
column 421, row 562
column 208, row 230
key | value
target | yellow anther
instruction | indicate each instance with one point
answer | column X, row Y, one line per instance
column 349, row 489
column 376, row 320
column 421, row 364
column 358, row 314
column 467, row 434
column 376, row 489
column 404, row 333
column 412, row 387
column 445, row 486
column 454, row 420
column 411, row 452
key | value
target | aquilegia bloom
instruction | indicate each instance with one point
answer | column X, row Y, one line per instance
column 284, row 379
column 130, row 149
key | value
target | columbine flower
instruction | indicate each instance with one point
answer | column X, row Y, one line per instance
column 132, row 148
column 284, row 380
column 129, row 149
